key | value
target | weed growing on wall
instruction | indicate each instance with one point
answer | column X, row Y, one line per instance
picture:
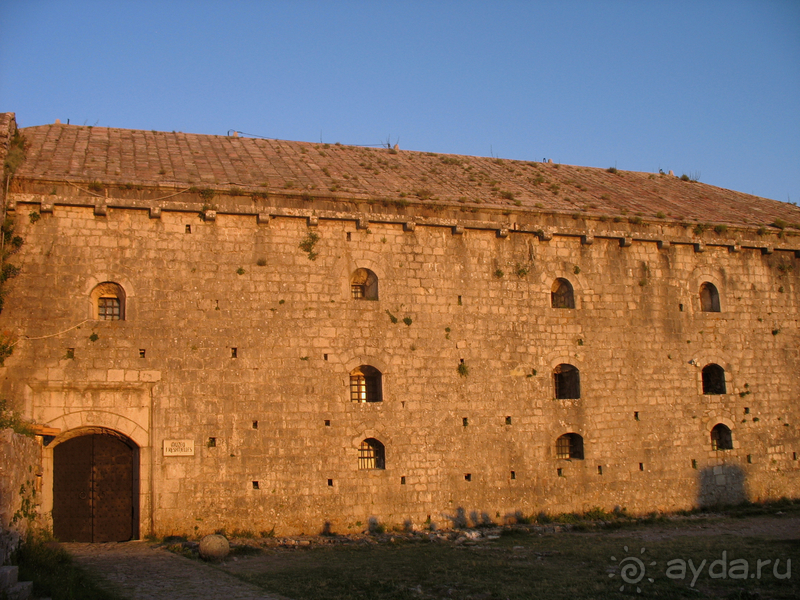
column 308, row 243
column 9, row 243
column 11, row 419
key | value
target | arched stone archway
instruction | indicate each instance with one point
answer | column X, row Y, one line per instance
column 96, row 487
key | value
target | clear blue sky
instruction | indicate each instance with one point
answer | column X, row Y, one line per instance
column 708, row 88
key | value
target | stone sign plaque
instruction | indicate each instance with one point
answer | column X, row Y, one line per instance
column 178, row 447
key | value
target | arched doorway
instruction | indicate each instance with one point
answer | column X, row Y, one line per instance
column 95, row 487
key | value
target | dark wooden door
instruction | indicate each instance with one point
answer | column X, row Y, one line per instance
column 93, row 489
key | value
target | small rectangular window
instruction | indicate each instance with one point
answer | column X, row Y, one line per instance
column 255, row 424
column 188, row 229
column 327, row 422
column 70, row 352
column 694, row 464
column 747, row 410
column 468, row 477
column 459, row 300
column 749, row 459
column 142, row 352
column 641, row 466
column 599, row 469
column 212, row 442
column 465, row 421
column 330, row 482
column 636, row 415
column 513, row 475
column 255, row 485
column 403, row 480
column 508, row 420
column 560, row 472
column 234, row 352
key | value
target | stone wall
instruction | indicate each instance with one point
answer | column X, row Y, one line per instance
column 275, row 434
column 20, row 487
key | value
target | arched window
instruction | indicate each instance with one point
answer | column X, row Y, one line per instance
column 364, row 285
column 561, row 294
column 567, row 382
column 709, row 297
column 713, row 379
column 371, row 455
column 365, row 384
column 721, row 437
column 108, row 302
column 570, row 445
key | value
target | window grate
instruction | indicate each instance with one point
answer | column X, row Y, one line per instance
column 108, row 309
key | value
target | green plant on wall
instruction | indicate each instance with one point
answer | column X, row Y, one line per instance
column 6, row 344
column 11, row 419
column 27, row 508
column 9, row 243
column 308, row 244
column 463, row 369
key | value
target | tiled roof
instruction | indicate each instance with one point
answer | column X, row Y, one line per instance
column 174, row 160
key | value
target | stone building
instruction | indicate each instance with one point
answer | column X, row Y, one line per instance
column 219, row 332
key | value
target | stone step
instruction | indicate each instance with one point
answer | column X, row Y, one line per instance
column 20, row 591
column 8, row 577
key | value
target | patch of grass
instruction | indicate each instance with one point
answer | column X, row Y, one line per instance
column 34, row 216
column 54, row 574
column 95, row 186
column 499, row 273
column 240, row 271
column 392, row 318
column 521, row 565
column 463, row 369
column 407, row 321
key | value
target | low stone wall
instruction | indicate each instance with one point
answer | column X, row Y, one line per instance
column 20, row 476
